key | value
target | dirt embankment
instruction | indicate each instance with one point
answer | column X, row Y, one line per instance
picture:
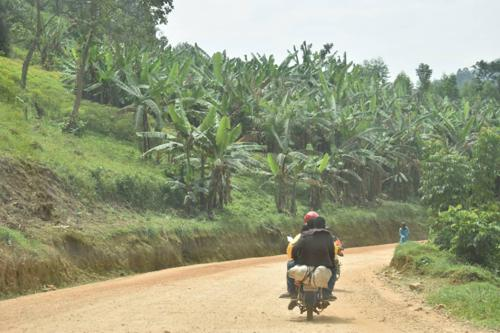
column 30, row 193
column 44, row 240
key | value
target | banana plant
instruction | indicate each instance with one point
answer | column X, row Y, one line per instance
column 283, row 167
column 143, row 105
column 313, row 175
column 105, row 72
column 227, row 155
column 190, row 149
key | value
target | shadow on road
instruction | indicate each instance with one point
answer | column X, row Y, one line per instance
column 322, row 319
column 344, row 291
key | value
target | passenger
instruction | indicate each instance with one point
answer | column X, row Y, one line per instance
column 320, row 223
column 316, row 247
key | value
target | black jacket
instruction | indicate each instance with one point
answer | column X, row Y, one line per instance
column 315, row 248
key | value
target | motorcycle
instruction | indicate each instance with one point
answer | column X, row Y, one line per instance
column 311, row 301
column 310, row 282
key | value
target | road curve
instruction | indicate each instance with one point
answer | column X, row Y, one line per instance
column 233, row 296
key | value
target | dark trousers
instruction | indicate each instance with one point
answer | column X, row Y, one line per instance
column 290, row 283
column 331, row 282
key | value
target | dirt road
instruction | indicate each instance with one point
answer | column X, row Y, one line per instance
column 235, row 296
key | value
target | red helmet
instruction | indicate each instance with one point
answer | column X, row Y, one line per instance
column 310, row 215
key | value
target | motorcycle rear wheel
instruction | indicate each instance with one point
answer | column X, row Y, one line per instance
column 310, row 313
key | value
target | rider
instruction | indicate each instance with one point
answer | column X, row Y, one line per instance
column 290, row 283
column 316, row 248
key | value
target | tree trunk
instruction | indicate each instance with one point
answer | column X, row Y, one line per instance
column 80, row 81
column 315, row 197
column 58, row 7
column 145, row 127
column 44, row 58
column 293, row 204
column 203, row 202
column 280, row 195
column 33, row 46
column 229, row 186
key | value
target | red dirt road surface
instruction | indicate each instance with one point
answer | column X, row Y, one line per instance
column 233, row 296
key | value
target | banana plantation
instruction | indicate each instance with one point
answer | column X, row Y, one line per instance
column 341, row 131
column 316, row 126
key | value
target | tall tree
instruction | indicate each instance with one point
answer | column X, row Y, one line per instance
column 447, row 87
column 403, row 85
column 90, row 15
column 488, row 71
column 376, row 69
column 96, row 18
column 38, row 5
column 424, row 73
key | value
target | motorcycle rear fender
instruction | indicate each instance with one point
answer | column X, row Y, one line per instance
column 310, row 298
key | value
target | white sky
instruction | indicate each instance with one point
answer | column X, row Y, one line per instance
column 445, row 34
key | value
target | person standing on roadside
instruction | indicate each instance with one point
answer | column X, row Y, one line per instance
column 404, row 233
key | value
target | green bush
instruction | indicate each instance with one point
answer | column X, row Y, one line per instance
column 473, row 235
column 446, row 179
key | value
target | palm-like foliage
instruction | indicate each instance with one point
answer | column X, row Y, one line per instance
column 337, row 127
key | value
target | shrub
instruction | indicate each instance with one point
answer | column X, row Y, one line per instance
column 446, row 180
column 473, row 235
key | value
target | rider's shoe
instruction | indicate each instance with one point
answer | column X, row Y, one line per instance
column 285, row 295
column 293, row 303
column 331, row 298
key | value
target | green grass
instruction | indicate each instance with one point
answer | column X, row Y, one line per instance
column 100, row 161
column 427, row 259
column 478, row 302
column 13, row 237
column 45, row 88
column 17, row 239
column 467, row 292
column 75, row 159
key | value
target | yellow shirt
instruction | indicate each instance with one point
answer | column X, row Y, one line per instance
column 289, row 248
